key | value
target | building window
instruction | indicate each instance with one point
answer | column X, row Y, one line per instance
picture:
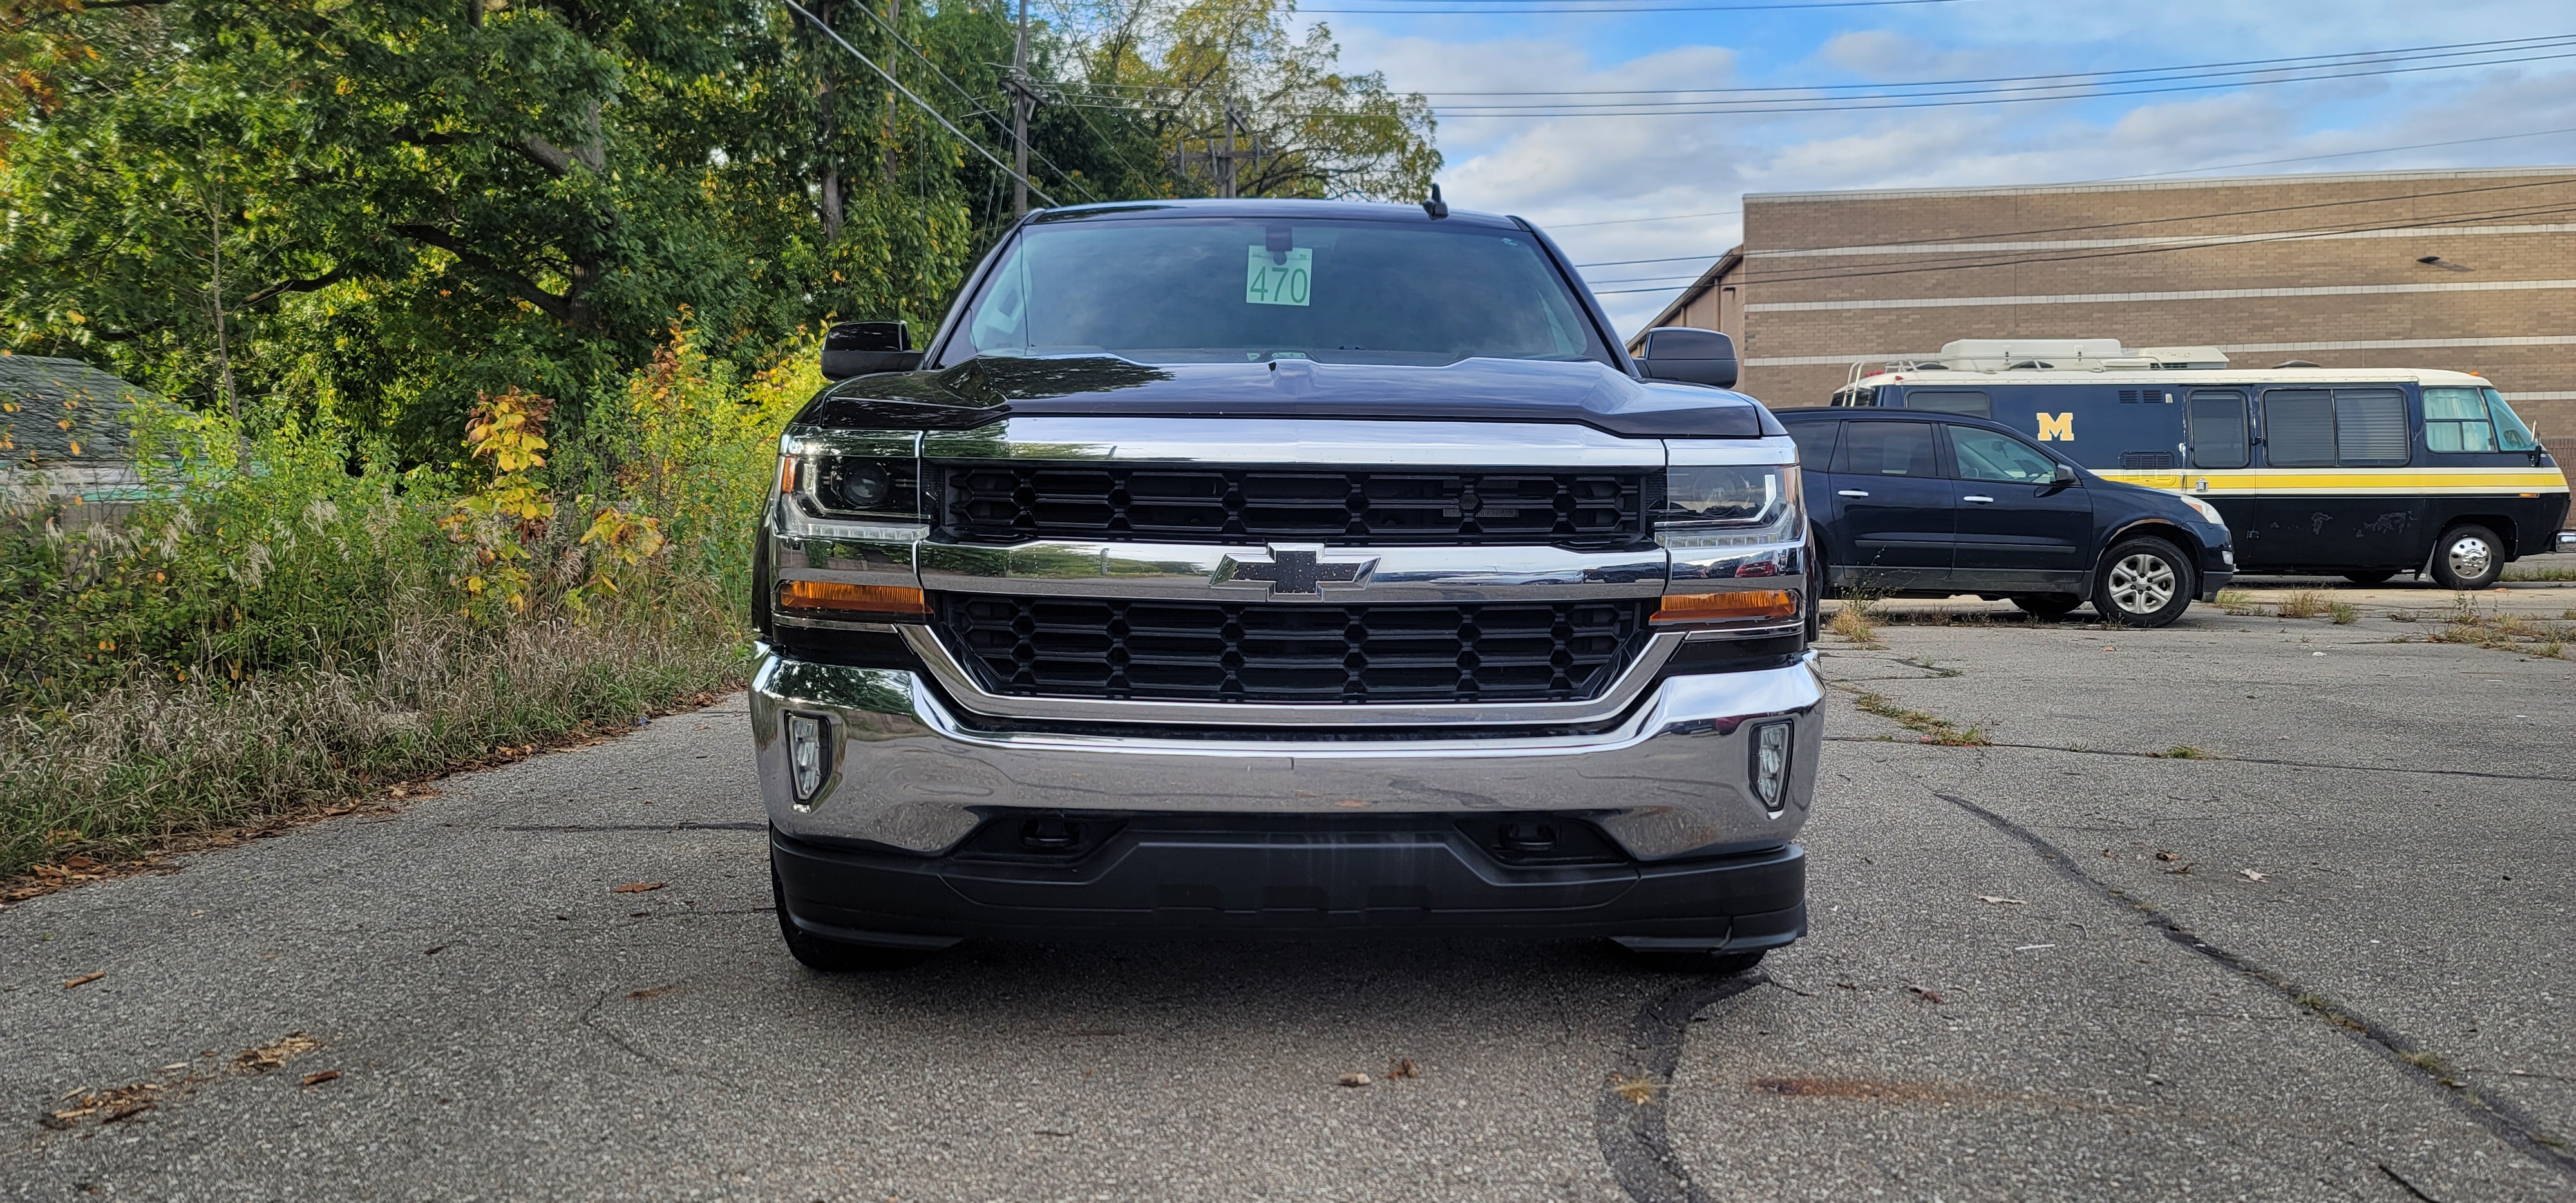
column 2218, row 429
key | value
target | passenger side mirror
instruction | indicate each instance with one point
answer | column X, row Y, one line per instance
column 2065, row 475
column 1688, row 356
column 866, row 348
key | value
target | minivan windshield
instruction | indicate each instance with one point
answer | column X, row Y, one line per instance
column 1239, row 290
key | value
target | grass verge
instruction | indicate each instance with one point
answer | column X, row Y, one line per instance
column 149, row 761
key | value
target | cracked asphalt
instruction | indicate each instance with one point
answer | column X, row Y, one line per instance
column 2327, row 957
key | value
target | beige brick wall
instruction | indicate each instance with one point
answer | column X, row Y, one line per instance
column 2388, row 221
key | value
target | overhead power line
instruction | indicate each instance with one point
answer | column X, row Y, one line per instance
column 918, row 102
column 2150, row 175
column 2561, row 49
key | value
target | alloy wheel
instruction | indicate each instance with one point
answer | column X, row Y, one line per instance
column 2142, row 584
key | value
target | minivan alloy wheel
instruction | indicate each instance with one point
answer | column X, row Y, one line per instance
column 2142, row 583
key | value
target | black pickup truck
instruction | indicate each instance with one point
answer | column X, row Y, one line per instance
column 1283, row 566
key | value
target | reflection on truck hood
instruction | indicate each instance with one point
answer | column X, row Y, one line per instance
column 990, row 388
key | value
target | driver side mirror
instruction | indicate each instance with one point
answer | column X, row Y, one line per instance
column 866, row 348
column 2065, row 475
column 1688, row 356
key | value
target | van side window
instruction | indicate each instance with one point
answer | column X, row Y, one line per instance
column 1887, row 449
column 1815, row 442
column 2370, row 426
column 2217, row 429
column 2299, row 427
column 1951, row 401
column 2455, row 419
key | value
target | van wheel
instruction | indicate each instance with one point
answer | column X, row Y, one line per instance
column 2142, row 582
column 2368, row 578
column 2468, row 558
column 833, row 956
column 2046, row 607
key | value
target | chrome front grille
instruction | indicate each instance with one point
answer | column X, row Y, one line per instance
column 1251, row 652
column 1017, row 501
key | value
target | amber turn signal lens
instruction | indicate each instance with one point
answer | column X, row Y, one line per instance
column 1727, row 607
column 860, row 599
column 786, row 474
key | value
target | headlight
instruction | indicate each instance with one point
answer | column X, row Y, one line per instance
column 2208, row 513
column 1730, row 506
column 852, row 486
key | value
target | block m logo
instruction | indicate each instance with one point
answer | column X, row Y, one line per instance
column 2056, row 427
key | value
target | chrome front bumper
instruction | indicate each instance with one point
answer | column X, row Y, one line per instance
column 908, row 772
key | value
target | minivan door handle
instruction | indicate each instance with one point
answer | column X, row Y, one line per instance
column 1851, row 492
column 1979, row 498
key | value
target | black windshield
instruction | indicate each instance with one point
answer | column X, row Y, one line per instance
column 1206, row 290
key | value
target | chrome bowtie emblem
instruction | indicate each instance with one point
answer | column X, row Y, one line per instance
column 1293, row 570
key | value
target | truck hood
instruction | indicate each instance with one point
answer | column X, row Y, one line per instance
column 989, row 389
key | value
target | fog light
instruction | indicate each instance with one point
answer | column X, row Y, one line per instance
column 1771, row 765
column 809, row 755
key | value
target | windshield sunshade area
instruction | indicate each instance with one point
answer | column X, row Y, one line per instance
column 1208, row 290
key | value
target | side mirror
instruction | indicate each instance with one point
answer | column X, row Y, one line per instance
column 2065, row 475
column 1689, row 356
column 866, row 348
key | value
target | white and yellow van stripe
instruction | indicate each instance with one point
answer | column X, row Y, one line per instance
column 2348, row 482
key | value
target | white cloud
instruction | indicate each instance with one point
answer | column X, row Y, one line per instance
column 1570, row 174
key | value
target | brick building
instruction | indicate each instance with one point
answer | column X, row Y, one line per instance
column 2473, row 270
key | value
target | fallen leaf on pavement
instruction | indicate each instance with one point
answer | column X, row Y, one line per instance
column 1927, row 993
column 276, row 1052
column 316, row 1079
column 638, row 887
column 2000, row 900
column 655, row 992
column 2162, row 855
column 84, row 979
column 1640, row 1091
column 2251, row 875
column 1403, row 1067
column 1353, row 1079
column 2184, row 867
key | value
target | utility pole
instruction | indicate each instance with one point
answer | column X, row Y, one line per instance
column 1020, row 116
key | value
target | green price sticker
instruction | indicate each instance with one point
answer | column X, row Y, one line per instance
column 1284, row 279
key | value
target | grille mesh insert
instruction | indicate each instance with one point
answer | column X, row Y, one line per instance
column 1229, row 652
column 1010, row 502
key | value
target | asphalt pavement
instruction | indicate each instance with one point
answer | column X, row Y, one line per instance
column 2249, row 907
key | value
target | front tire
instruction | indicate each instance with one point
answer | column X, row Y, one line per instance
column 2143, row 582
column 2468, row 558
column 833, row 956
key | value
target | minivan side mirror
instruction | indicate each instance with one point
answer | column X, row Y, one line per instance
column 865, row 348
column 1688, row 356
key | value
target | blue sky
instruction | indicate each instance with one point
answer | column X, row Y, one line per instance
column 1586, row 178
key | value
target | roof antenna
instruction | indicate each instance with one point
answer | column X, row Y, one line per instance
column 1436, row 207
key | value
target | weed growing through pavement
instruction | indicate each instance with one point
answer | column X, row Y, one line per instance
column 2306, row 603
column 2343, row 613
column 1852, row 620
column 2238, row 602
column 2179, row 752
column 1933, row 728
column 2505, row 632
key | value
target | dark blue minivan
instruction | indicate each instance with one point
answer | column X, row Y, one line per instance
column 1912, row 503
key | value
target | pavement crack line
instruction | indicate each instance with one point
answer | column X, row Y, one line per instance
column 2505, row 1121
column 2216, row 758
column 1629, row 1118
